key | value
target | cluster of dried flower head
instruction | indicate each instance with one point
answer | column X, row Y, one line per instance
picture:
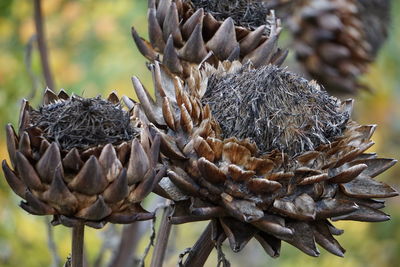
column 258, row 150
column 82, row 160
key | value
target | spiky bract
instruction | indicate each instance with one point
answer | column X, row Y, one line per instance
column 249, row 193
column 83, row 171
column 182, row 37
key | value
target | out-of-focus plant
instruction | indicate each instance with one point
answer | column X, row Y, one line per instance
column 83, row 34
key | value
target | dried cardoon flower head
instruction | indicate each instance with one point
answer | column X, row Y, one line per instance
column 182, row 35
column 247, row 13
column 264, row 154
column 336, row 40
column 274, row 108
column 81, row 160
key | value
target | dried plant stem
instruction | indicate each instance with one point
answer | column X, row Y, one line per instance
column 56, row 261
column 41, row 40
column 126, row 252
column 77, row 244
column 162, row 238
column 199, row 253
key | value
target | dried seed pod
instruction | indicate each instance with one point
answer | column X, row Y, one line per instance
column 271, row 155
column 183, row 34
column 336, row 40
column 81, row 159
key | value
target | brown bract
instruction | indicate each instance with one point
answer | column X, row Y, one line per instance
column 94, row 184
column 181, row 36
column 270, row 196
column 330, row 39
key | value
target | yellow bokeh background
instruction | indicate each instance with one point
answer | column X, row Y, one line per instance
column 91, row 53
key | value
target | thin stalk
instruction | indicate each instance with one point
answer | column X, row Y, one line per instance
column 126, row 252
column 41, row 41
column 200, row 252
column 162, row 238
column 78, row 232
column 56, row 261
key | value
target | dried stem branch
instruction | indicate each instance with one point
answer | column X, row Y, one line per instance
column 56, row 261
column 162, row 238
column 199, row 253
column 78, row 232
column 126, row 252
column 41, row 40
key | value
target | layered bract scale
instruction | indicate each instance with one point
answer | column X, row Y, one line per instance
column 78, row 175
column 268, row 194
column 182, row 36
column 337, row 40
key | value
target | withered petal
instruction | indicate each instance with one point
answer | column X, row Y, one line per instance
column 28, row 173
column 263, row 54
column 365, row 187
column 224, row 40
column 72, row 161
column 328, row 208
column 243, row 210
column 144, row 48
column 377, row 166
column 91, row 179
column 261, row 185
column 305, row 206
column 146, row 185
column 364, row 214
column 12, row 143
column 203, row 149
column 95, row 212
column 133, row 214
column 252, row 40
column 238, row 233
column 180, row 178
column 170, row 25
column 48, row 163
column 325, row 239
column 346, row 175
column 155, row 32
column 49, row 97
column 25, row 145
column 13, row 181
column 273, row 225
column 118, row 189
column 238, row 174
column 303, row 238
column 168, row 114
column 194, row 50
column 192, row 23
column 113, row 98
column 59, row 195
column 35, row 206
column 139, row 163
column 109, row 161
column 210, row 171
column 170, row 58
column 63, row 95
column 270, row 244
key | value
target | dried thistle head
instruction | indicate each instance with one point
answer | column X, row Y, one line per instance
column 272, row 194
column 335, row 41
column 250, row 14
column 182, row 36
column 82, row 160
column 275, row 109
column 83, row 122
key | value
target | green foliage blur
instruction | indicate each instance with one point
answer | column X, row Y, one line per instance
column 91, row 53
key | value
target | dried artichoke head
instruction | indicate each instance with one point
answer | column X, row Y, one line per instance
column 82, row 160
column 263, row 153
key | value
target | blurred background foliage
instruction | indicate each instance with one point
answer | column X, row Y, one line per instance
column 91, row 53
